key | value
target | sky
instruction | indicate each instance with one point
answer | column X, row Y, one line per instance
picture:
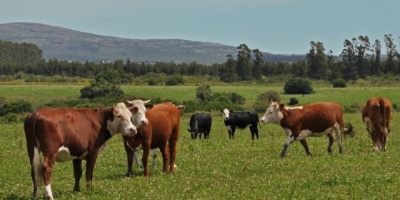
column 273, row 26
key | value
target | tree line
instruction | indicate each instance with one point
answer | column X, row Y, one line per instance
column 359, row 58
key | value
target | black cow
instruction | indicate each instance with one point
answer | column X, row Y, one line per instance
column 241, row 120
column 200, row 123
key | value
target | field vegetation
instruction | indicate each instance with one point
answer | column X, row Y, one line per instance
column 220, row 168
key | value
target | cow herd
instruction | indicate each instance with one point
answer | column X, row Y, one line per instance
column 64, row 134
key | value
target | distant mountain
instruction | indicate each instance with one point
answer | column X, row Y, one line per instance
column 71, row 45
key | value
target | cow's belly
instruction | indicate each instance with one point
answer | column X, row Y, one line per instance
column 65, row 155
column 308, row 133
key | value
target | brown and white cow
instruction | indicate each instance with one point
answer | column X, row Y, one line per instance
column 64, row 134
column 376, row 115
column 162, row 131
column 313, row 120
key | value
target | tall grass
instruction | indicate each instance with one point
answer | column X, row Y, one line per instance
column 220, row 168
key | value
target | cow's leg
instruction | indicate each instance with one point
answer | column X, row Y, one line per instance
column 154, row 155
column 145, row 160
column 172, row 151
column 165, row 154
column 289, row 140
column 136, row 158
column 48, row 164
column 254, row 131
column 233, row 132
column 305, row 145
column 129, row 157
column 229, row 129
column 77, row 163
column 331, row 140
column 206, row 134
column 90, row 162
column 192, row 135
column 375, row 139
column 338, row 132
column 36, row 169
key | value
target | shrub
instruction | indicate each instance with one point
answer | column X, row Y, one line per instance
column 10, row 118
column 264, row 100
column 204, row 93
column 293, row 101
column 298, row 86
column 17, row 107
column 101, row 90
column 339, row 83
column 174, row 80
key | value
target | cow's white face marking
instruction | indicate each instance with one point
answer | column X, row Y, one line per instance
column 122, row 121
column 225, row 114
column 273, row 114
column 138, row 109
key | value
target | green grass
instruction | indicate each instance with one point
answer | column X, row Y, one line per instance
column 220, row 168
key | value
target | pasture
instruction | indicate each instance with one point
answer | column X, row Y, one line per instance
column 220, row 168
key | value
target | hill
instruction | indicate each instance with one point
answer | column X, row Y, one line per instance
column 66, row 44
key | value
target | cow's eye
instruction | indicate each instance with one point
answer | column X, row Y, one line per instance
column 119, row 116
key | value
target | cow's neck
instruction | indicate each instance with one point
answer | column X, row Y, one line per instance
column 107, row 115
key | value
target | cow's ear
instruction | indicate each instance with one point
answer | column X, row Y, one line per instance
column 148, row 106
column 231, row 111
column 221, row 111
column 134, row 109
column 281, row 106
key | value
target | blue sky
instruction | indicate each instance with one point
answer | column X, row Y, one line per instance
column 275, row 26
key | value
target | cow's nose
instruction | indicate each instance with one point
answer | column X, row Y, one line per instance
column 133, row 130
column 145, row 122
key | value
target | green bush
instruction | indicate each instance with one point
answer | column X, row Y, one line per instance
column 264, row 100
column 17, row 107
column 101, row 90
column 174, row 80
column 293, row 101
column 10, row 118
column 298, row 86
column 339, row 83
column 204, row 93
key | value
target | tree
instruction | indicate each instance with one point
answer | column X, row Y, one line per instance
column 391, row 52
column 363, row 53
column 349, row 60
column 243, row 63
column 228, row 71
column 376, row 68
column 256, row 70
column 316, row 60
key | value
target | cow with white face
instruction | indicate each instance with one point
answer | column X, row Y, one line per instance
column 312, row 120
column 63, row 134
column 139, row 108
column 233, row 120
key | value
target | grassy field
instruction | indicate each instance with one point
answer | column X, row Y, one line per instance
column 220, row 168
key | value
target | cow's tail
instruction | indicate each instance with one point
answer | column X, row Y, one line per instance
column 382, row 112
column 33, row 149
column 348, row 129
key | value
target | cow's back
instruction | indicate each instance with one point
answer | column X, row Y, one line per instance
column 64, row 125
column 242, row 119
column 317, row 116
column 377, row 109
column 201, row 121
